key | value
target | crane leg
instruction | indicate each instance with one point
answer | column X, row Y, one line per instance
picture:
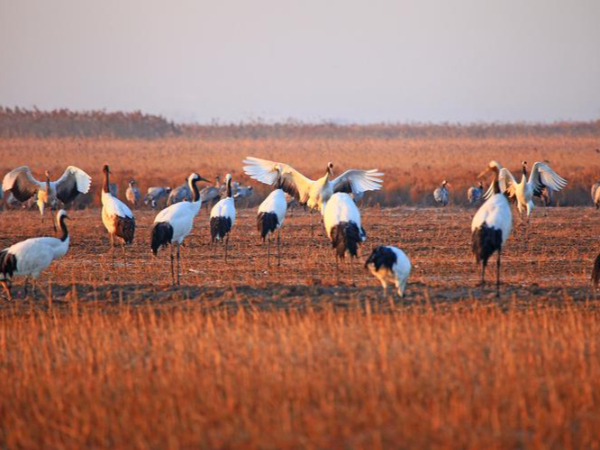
column 172, row 268
column 278, row 247
column 482, row 277
column 6, row 289
column 269, row 250
column 178, row 265
column 498, row 273
column 26, row 286
column 226, row 245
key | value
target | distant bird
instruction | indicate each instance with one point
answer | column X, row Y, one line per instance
column 21, row 183
column 174, row 223
column 310, row 192
column 180, row 194
column 243, row 192
column 114, row 189
column 156, row 195
column 440, row 195
column 133, row 193
column 211, row 194
column 222, row 217
column 271, row 213
column 475, row 194
column 343, row 225
column 116, row 216
column 596, row 194
column 391, row 266
column 491, row 226
column 32, row 256
column 542, row 176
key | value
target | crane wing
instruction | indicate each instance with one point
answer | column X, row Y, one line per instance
column 292, row 181
column 542, row 176
column 358, row 181
column 72, row 183
column 21, row 184
column 506, row 182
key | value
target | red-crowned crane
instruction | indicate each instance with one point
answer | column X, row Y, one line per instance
column 343, row 226
column 491, row 226
column 174, row 223
column 21, row 183
column 116, row 216
column 222, row 217
column 32, row 256
column 313, row 193
column 271, row 213
column 391, row 266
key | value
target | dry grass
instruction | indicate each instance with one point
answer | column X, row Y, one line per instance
column 469, row 375
column 413, row 167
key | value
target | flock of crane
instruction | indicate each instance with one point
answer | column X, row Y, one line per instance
column 334, row 197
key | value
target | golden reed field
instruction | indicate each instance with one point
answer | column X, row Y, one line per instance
column 247, row 355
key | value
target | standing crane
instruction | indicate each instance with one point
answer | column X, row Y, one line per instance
column 271, row 213
column 116, row 216
column 491, row 226
column 174, row 223
column 32, row 256
column 222, row 217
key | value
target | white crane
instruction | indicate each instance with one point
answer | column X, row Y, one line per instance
column 222, row 217
column 441, row 195
column 271, row 214
column 343, row 226
column 391, row 266
column 116, row 216
column 132, row 194
column 21, row 183
column 542, row 176
column 174, row 223
column 491, row 226
column 310, row 192
column 32, row 256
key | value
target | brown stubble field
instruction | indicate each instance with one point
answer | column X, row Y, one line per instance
column 247, row 355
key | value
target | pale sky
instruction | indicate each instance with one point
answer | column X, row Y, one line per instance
column 311, row 60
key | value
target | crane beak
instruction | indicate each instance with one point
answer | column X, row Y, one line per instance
column 204, row 179
column 482, row 174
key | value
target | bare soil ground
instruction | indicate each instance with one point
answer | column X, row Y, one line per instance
column 549, row 261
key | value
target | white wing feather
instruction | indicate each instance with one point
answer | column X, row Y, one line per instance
column 358, row 180
column 543, row 175
column 506, row 183
column 265, row 171
column 72, row 173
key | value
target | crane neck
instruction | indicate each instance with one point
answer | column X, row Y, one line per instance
column 194, row 189
column 229, row 188
column 64, row 232
column 106, row 185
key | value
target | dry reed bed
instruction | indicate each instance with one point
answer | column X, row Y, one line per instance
column 413, row 167
column 468, row 375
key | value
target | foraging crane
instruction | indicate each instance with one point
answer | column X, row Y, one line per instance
column 491, row 226
column 32, row 256
column 155, row 195
column 441, row 195
column 343, row 225
column 542, row 176
column 596, row 194
column 116, row 216
column 310, row 192
column 271, row 214
column 21, row 183
column 475, row 194
column 132, row 194
column 174, row 223
column 222, row 217
column 391, row 266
